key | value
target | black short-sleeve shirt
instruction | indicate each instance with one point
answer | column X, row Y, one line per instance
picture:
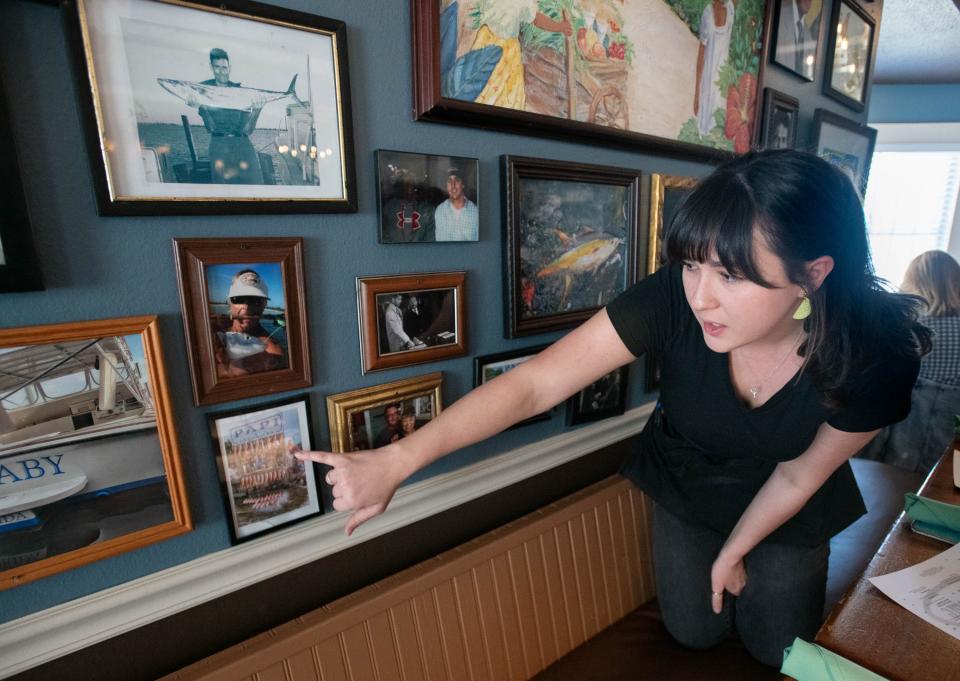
column 705, row 454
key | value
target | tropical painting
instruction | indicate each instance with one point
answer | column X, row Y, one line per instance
column 684, row 70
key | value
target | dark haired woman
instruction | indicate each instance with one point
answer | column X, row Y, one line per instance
column 781, row 358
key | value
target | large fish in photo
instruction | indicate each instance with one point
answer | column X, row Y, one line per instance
column 221, row 97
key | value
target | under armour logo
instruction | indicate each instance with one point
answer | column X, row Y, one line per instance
column 413, row 220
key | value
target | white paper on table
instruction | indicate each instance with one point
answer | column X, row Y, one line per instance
column 930, row 589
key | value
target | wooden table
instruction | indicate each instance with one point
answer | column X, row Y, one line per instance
column 872, row 630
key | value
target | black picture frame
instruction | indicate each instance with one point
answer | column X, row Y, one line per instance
column 846, row 144
column 543, row 261
column 605, row 397
column 783, row 42
column 484, row 365
column 781, row 120
column 856, row 92
column 19, row 267
column 140, row 133
column 265, row 475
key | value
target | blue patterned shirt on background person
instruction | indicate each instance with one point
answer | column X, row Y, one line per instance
column 942, row 365
column 457, row 225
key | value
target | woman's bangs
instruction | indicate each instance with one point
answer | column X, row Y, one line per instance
column 716, row 217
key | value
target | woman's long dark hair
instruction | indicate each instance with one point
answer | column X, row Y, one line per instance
column 804, row 208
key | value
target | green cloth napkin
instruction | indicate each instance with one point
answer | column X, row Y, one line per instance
column 935, row 518
column 810, row 662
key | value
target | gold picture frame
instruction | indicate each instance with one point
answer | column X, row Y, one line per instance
column 89, row 462
column 355, row 416
column 660, row 184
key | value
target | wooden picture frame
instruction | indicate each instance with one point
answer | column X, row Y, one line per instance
column 488, row 367
column 543, row 260
column 414, row 204
column 264, row 486
column 408, row 319
column 90, row 463
column 270, row 132
column 240, row 348
column 781, row 120
column 846, row 144
column 850, row 55
column 790, row 49
column 568, row 89
column 19, row 267
column 605, row 397
column 375, row 416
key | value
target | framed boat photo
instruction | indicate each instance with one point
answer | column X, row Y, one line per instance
column 89, row 462
column 214, row 107
column 265, row 486
column 571, row 241
column 669, row 76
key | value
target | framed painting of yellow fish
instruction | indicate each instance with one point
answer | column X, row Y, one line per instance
column 214, row 107
column 571, row 241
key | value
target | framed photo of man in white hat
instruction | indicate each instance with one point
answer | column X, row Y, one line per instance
column 244, row 316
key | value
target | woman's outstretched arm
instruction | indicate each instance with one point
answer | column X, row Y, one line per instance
column 364, row 482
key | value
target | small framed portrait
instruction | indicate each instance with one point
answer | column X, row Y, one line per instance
column 572, row 235
column 424, row 198
column 411, row 319
column 846, row 144
column 373, row 417
column 780, row 115
column 602, row 399
column 849, row 54
column 244, row 316
column 19, row 269
column 214, row 106
column 488, row 367
column 89, row 462
column 265, row 487
column 796, row 36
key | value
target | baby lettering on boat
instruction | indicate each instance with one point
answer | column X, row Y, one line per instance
column 13, row 472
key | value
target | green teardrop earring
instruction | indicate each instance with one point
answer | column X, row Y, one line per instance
column 804, row 310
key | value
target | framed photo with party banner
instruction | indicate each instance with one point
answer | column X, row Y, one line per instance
column 89, row 462
column 378, row 415
column 846, row 144
column 670, row 76
column 571, row 235
column 849, row 54
column 265, row 487
column 214, row 106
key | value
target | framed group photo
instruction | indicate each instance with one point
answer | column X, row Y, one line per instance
column 411, row 318
column 846, row 144
column 781, row 114
column 571, row 241
column 215, row 106
column 669, row 76
column 796, row 35
column 375, row 416
column 605, row 397
column 488, row 367
column 424, row 198
column 849, row 54
column 89, row 458
column 244, row 316
column 265, row 487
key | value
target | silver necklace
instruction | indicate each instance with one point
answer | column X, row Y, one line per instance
column 756, row 389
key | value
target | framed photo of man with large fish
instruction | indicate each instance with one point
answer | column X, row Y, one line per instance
column 214, row 106
column 572, row 241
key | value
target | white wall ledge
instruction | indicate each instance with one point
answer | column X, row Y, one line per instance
column 46, row 635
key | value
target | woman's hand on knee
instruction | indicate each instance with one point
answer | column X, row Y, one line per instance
column 727, row 574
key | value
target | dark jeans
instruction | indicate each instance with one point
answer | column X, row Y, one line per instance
column 783, row 597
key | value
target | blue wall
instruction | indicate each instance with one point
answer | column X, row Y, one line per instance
column 98, row 267
column 938, row 103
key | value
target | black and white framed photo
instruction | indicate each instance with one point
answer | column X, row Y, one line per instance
column 849, row 53
column 265, row 486
column 411, row 319
column 796, row 36
column 781, row 113
column 846, row 144
column 19, row 269
column 602, row 399
column 425, row 198
column 216, row 106
column 488, row 367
